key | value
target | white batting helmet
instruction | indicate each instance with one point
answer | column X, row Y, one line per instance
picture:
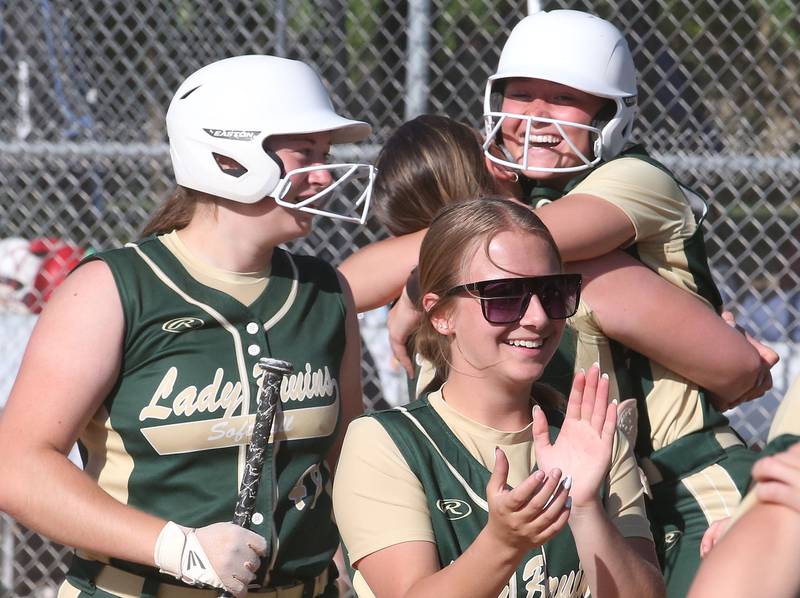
column 230, row 107
column 581, row 51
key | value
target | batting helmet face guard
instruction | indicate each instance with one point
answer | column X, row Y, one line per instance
column 224, row 112
column 595, row 59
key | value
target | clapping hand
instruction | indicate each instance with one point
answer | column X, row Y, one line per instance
column 585, row 441
column 530, row 514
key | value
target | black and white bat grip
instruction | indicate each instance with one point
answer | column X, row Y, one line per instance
column 268, row 396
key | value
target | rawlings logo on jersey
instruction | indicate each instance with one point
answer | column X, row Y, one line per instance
column 454, row 508
column 232, row 134
column 671, row 539
column 178, row 325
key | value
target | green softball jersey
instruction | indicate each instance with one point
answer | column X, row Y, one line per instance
column 667, row 218
column 171, row 437
column 419, row 473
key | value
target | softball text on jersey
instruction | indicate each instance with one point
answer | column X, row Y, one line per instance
column 230, row 429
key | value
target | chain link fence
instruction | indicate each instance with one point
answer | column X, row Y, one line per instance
column 85, row 85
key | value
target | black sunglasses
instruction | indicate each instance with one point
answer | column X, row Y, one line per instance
column 505, row 300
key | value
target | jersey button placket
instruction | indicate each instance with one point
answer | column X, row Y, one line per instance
column 253, row 328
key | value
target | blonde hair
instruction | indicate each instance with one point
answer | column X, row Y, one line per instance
column 454, row 237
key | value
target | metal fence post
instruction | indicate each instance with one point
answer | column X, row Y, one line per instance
column 418, row 55
column 6, row 553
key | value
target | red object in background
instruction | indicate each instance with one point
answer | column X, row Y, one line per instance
column 58, row 260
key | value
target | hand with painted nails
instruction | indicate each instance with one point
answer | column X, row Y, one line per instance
column 530, row 514
column 585, row 441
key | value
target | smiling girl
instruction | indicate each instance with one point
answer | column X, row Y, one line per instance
column 467, row 491
column 149, row 352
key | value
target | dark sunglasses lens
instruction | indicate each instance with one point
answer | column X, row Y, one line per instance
column 558, row 296
column 503, row 310
column 503, row 302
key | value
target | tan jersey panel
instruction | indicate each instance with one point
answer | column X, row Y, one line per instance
column 786, row 421
column 68, row 591
column 425, row 375
column 379, row 502
column 657, row 208
column 715, row 492
column 650, row 198
column 109, row 463
column 245, row 287
column 787, row 417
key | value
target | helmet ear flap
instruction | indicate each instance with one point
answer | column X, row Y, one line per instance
column 275, row 157
column 603, row 117
column 277, row 171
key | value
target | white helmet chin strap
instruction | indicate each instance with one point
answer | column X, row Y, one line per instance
column 353, row 172
column 561, row 126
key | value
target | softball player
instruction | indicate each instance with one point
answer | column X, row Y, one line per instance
column 149, row 354
column 432, row 161
column 420, row 512
column 562, row 125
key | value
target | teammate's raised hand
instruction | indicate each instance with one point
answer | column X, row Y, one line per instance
column 768, row 358
column 778, row 478
column 584, row 444
column 525, row 516
column 222, row 555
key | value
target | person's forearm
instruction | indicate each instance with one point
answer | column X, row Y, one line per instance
column 753, row 559
column 376, row 273
column 667, row 324
column 43, row 490
column 482, row 571
column 585, row 226
column 611, row 566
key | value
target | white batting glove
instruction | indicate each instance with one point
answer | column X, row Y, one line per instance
column 222, row 555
